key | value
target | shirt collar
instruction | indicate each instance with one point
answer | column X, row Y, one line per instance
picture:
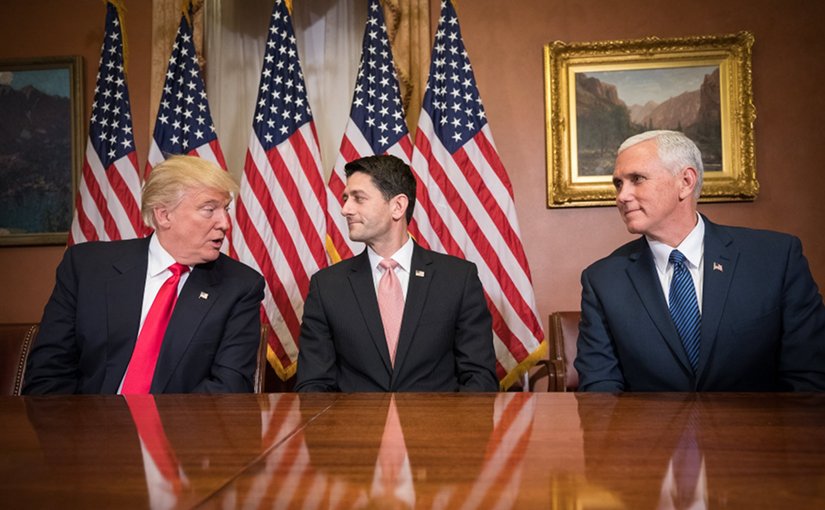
column 692, row 247
column 403, row 256
column 159, row 258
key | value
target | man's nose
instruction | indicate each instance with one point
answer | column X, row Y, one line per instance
column 223, row 221
column 623, row 194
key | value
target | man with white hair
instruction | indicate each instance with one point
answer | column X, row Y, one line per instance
column 691, row 305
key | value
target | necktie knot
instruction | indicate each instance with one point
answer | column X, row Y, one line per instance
column 178, row 269
column 677, row 258
column 388, row 264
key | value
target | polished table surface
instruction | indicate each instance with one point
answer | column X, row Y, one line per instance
column 506, row 450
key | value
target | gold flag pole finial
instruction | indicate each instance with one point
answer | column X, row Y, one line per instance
column 120, row 7
column 185, row 7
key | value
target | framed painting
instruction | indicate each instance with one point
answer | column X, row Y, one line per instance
column 598, row 94
column 40, row 148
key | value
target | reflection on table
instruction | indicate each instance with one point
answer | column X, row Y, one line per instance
column 506, row 450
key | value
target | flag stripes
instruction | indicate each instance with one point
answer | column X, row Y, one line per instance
column 107, row 205
column 467, row 199
column 281, row 212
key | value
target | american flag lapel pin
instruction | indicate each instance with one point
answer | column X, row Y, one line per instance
column 718, row 267
column 204, row 295
column 419, row 273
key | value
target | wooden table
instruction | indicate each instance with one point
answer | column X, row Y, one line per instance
column 507, row 450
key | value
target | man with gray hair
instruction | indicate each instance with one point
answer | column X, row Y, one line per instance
column 691, row 305
column 166, row 314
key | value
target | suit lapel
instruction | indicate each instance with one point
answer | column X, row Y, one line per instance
column 196, row 297
column 124, row 298
column 360, row 278
column 421, row 274
column 642, row 273
column 720, row 264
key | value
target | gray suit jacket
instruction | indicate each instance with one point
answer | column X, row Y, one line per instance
column 445, row 343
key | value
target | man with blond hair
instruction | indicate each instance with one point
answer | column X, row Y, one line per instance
column 166, row 314
column 692, row 305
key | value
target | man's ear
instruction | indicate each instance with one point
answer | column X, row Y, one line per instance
column 398, row 206
column 688, row 182
column 162, row 220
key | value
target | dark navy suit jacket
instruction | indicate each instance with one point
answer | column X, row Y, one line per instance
column 763, row 320
column 90, row 325
column 445, row 343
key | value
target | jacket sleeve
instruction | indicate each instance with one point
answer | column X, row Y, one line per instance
column 317, row 369
column 802, row 356
column 474, row 351
column 53, row 363
column 596, row 360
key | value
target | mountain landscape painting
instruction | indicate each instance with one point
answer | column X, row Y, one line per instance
column 613, row 105
column 35, row 151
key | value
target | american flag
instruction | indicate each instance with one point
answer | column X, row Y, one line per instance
column 375, row 126
column 281, row 211
column 184, row 123
column 466, row 199
column 107, row 205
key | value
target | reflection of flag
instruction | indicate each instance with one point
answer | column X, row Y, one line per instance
column 107, row 206
column 286, row 478
column 282, row 206
column 466, row 200
column 184, row 124
column 376, row 125
column 504, row 458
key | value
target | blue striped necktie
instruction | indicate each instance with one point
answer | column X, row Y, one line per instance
column 684, row 309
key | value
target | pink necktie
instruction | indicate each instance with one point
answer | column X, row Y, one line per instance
column 145, row 356
column 391, row 304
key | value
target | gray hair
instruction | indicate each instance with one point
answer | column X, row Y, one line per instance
column 676, row 152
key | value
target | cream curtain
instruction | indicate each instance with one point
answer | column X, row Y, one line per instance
column 328, row 34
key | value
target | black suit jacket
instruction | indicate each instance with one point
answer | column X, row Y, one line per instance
column 445, row 343
column 763, row 320
column 90, row 325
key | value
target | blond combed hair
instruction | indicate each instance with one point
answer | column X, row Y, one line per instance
column 174, row 177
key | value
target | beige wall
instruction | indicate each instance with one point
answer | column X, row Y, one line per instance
column 505, row 40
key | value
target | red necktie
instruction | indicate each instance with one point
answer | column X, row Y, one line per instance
column 145, row 356
column 390, row 304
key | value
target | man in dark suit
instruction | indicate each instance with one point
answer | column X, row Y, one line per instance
column 422, row 324
column 760, row 322
column 106, row 293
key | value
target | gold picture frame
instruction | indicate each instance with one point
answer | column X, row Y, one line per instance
column 588, row 87
column 41, row 144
